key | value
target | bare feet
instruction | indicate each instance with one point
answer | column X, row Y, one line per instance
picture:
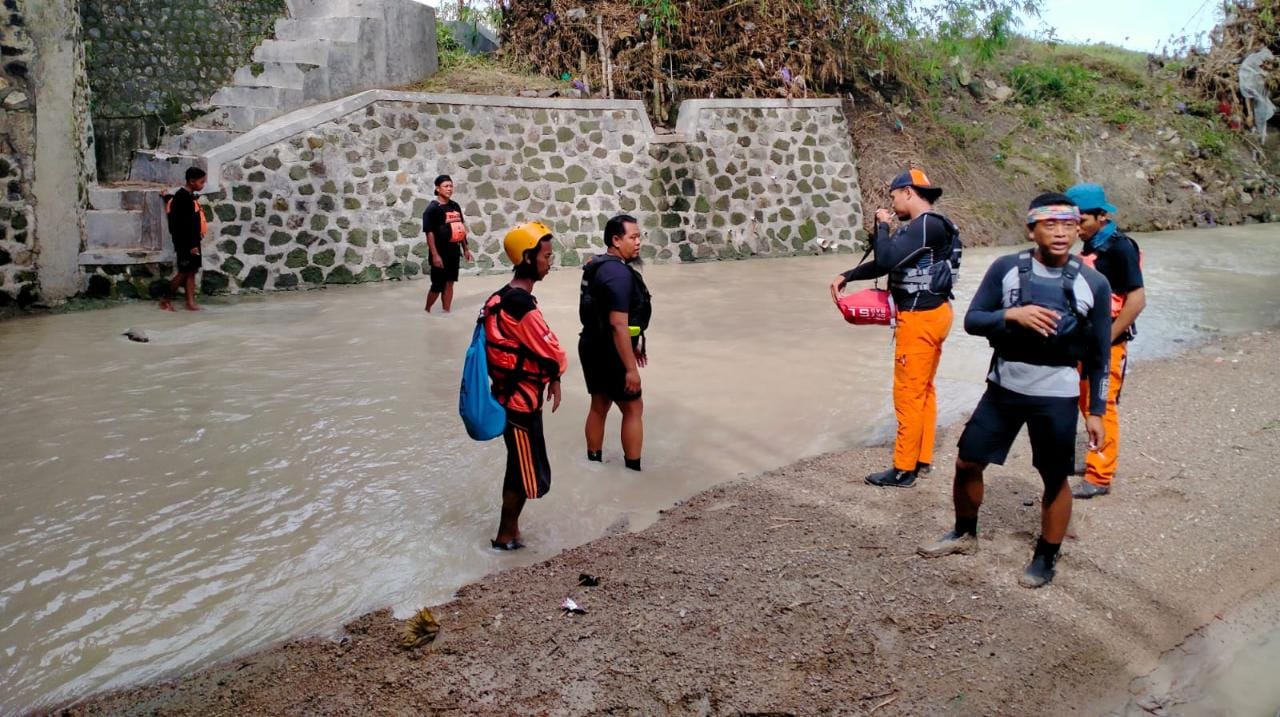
column 166, row 305
column 193, row 307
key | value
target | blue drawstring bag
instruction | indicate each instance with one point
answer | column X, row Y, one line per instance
column 481, row 413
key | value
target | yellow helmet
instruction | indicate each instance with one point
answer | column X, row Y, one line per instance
column 523, row 238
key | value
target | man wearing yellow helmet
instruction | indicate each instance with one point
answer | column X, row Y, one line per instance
column 525, row 363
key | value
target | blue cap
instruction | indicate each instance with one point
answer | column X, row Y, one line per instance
column 1091, row 197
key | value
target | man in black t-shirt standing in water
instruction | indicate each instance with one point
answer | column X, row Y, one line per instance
column 614, row 309
column 446, row 241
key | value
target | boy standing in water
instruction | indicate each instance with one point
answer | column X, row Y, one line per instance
column 187, row 227
column 446, row 243
column 1045, row 314
column 1117, row 258
column 525, row 361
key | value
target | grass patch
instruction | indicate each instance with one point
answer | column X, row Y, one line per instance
column 1066, row 85
column 1213, row 140
column 1116, row 64
column 1122, row 117
column 461, row 73
column 963, row 134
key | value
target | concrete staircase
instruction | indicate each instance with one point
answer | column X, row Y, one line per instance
column 327, row 49
column 324, row 50
column 125, row 225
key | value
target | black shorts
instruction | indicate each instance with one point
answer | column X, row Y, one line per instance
column 451, row 258
column 1051, row 425
column 528, row 470
column 603, row 369
column 185, row 262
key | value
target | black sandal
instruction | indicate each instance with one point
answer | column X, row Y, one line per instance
column 509, row 545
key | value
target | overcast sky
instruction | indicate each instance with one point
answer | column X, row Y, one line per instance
column 1136, row 24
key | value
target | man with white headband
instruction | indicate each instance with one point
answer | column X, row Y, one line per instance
column 1045, row 313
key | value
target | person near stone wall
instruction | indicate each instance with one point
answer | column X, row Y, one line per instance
column 525, row 362
column 921, row 259
column 614, row 307
column 187, row 227
column 446, row 232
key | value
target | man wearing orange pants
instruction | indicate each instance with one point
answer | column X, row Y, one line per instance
column 921, row 259
column 1118, row 258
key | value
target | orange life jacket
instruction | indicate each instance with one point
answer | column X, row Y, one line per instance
column 204, row 223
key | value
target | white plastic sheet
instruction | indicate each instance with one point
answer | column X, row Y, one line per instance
column 1253, row 85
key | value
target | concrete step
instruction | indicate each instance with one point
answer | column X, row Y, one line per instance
column 237, row 119
column 338, row 8
column 113, row 229
column 286, row 75
column 303, row 52
column 105, row 198
column 337, row 29
column 126, row 256
column 125, row 196
column 242, row 96
column 151, row 165
column 198, row 141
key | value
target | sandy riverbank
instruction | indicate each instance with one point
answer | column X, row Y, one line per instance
column 797, row 591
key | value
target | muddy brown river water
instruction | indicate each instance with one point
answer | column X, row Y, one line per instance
column 275, row 465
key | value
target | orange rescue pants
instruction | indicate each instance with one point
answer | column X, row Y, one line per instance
column 1100, row 466
column 917, row 351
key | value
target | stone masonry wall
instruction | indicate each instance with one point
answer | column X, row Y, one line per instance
column 342, row 202
column 17, row 158
column 150, row 60
column 758, row 180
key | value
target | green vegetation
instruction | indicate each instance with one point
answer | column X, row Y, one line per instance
column 963, row 134
column 1213, row 140
column 1066, row 85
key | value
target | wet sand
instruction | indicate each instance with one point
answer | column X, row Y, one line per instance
column 797, row 591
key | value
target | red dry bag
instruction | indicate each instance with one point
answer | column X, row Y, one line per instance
column 869, row 307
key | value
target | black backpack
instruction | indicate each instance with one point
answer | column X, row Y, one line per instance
column 945, row 274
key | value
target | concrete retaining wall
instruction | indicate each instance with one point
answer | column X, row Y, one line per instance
column 17, row 160
column 335, row 193
column 46, row 160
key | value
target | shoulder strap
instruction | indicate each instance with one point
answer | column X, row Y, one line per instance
column 951, row 226
column 490, row 306
column 1069, row 274
column 638, row 278
column 1024, row 277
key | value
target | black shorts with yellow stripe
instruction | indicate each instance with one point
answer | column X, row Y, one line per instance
column 528, row 470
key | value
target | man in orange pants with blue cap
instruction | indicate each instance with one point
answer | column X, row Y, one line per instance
column 1118, row 258
column 921, row 259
